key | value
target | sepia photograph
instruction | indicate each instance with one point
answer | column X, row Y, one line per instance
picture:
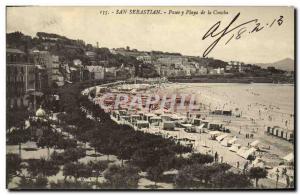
column 150, row 98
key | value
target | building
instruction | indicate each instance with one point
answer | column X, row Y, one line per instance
column 217, row 71
column 235, row 66
column 50, row 62
column 125, row 72
column 173, row 60
column 77, row 62
column 24, row 80
column 201, row 70
column 126, row 52
column 92, row 56
column 55, row 72
column 110, row 72
column 146, row 59
column 95, row 72
column 65, row 70
column 75, row 75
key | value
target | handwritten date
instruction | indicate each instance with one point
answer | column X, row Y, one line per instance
column 234, row 31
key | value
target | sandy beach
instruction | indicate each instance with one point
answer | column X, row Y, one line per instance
column 260, row 106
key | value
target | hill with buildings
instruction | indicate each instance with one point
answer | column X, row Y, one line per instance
column 73, row 57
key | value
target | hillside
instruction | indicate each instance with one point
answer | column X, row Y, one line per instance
column 286, row 64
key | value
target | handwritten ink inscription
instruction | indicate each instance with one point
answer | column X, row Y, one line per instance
column 235, row 32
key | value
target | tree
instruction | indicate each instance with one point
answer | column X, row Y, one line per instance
column 155, row 173
column 18, row 136
column 206, row 172
column 257, row 173
column 178, row 148
column 63, row 143
column 76, row 170
column 145, row 158
column 107, row 148
column 73, row 154
column 97, row 167
column 16, row 117
column 58, row 158
column 39, row 183
column 125, row 152
column 231, row 180
column 42, row 167
column 185, row 179
column 121, row 177
column 201, row 158
column 64, row 184
column 48, row 139
column 13, row 166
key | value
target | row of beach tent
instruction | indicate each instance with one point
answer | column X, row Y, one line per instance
column 229, row 141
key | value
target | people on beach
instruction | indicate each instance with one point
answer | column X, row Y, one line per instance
column 216, row 157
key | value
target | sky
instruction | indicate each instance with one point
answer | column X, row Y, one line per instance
column 166, row 32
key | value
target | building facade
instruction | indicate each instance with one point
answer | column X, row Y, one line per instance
column 25, row 79
column 95, row 72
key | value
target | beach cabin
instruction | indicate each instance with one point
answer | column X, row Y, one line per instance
column 126, row 118
column 227, row 112
column 197, row 122
column 228, row 141
column 221, row 137
column 132, row 111
column 290, row 135
column 224, row 142
column 281, row 133
column 217, row 112
column 200, row 129
column 175, row 117
column 168, row 125
column 258, row 162
column 155, row 120
column 235, row 147
column 158, row 112
column 272, row 131
column 214, row 134
column 141, row 113
column 134, row 118
column 286, row 134
column 269, row 130
column 165, row 117
column 123, row 112
column 255, row 144
column 276, row 131
column 115, row 113
column 148, row 116
column 215, row 126
column 142, row 124
column 246, row 152
column 188, row 127
column 205, row 122
column 232, row 140
column 289, row 158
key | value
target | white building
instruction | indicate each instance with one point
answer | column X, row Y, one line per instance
column 146, row 59
column 173, row 60
column 96, row 72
